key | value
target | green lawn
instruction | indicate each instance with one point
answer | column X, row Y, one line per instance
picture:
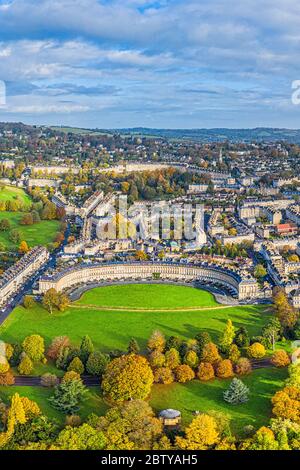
column 204, row 397
column 8, row 193
column 113, row 329
column 40, row 233
column 148, row 296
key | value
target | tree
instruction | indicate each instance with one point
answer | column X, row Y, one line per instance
column 132, row 425
column 210, row 353
column 234, row 353
column 4, row 225
column 286, row 403
column 280, row 358
column 7, row 379
column 243, row 366
column 97, row 363
column 191, row 359
column 23, row 247
column 205, row 371
column 68, row 396
column 184, row 373
column 133, row 347
column 260, row 272
column 201, row 434
column 227, row 337
column 271, row 332
column 157, row 359
column 202, row 339
column 28, row 301
column 58, row 343
column 284, row 311
column 241, row 338
column 27, row 219
column 83, row 437
column 237, row 392
column 127, row 377
column 71, row 375
column 157, row 342
column 294, row 375
column 224, row 369
column 25, row 367
column 163, row 375
column 34, row 347
column 172, row 359
column 86, row 348
column 256, row 351
column 76, row 366
column 50, row 300
column 15, row 236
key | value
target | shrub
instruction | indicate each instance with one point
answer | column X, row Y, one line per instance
column 172, row 359
column 76, row 366
column 73, row 420
column 205, row 371
column 280, row 358
column 157, row 342
column 4, row 366
column 25, row 367
column 49, row 380
column 7, row 379
column 163, row 375
column 234, row 353
column 243, row 366
column 9, row 350
column 184, row 373
column 224, row 369
column 256, row 351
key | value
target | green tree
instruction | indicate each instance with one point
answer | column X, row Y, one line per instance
column 97, row 363
column 76, row 366
column 227, row 336
column 133, row 347
column 34, row 347
column 86, row 348
column 237, row 392
column 68, row 396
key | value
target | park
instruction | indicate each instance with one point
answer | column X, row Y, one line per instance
column 112, row 315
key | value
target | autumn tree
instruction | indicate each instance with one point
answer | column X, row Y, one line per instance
column 26, row 366
column 280, row 358
column 172, row 359
column 227, row 336
column 201, row 434
column 224, row 369
column 56, row 345
column 243, row 366
column 157, row 342
column 34, row 347
column 28, row 301
column 156, row 359
column 76, row 366
column 286, row 403
column 191, row 359
column 50, row 300
column 286, row 314
column 163, row 375
column 205, row 371
column 23, row 247
column 83, row 437
column 256, row 351
column 210, row 353
column 127, row 377
column 184, row 373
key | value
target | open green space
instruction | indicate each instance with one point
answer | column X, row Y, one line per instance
column 111, row 330
column 208, row 396
column 41, row 233
column 148, row 296
column 8, row 193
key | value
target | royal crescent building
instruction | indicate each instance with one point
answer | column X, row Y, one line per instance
column 236, row 284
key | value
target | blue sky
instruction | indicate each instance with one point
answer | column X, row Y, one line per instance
column 169, row 63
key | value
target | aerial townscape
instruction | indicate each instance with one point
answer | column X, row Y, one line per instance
column 149, row 289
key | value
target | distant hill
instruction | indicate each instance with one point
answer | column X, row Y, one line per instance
column 259, row 134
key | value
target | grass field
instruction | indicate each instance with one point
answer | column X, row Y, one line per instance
column 40, row 233
column 8, row 193
column 113, row 329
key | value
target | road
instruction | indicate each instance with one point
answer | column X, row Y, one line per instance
column 35, row 381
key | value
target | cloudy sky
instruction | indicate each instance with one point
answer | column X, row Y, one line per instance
column 168, row 63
